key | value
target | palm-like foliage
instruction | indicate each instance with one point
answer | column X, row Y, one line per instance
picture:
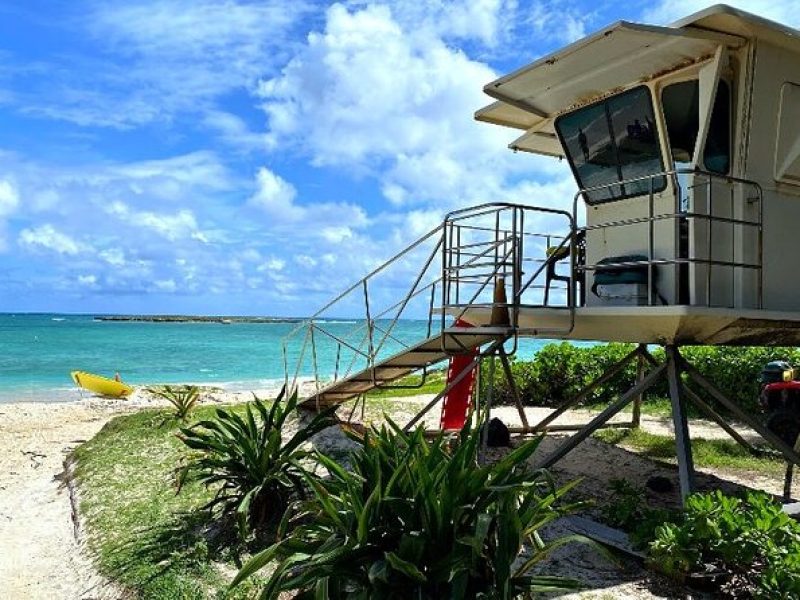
column 182, row 397
column 417, row 520
column 256, row 471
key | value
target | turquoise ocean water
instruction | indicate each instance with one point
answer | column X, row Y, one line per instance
column 38, row 351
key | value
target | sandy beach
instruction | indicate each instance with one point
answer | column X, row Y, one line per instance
column 42, row 554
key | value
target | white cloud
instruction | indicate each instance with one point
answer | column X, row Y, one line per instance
column 555, row 20
column 370, row 95
column 481, row 20
column 275, row 195
column 87, row 280
column 668, row 11
column 234, row 131
column 9, row 198
column 157, row 59
column 9, row 201
column 46, row 236
column 365, row 89
column 113, row 256
column 173, row 227
column 165, row 285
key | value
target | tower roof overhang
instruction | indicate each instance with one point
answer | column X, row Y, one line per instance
column 614, row 58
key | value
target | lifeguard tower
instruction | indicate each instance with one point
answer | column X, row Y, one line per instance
column 684, row 142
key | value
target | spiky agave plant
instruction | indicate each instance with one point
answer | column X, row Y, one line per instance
column 418, row 520
column 256, row 472
column 182, row 397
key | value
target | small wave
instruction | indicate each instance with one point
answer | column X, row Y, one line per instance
column 58, row 319
column 335, row 322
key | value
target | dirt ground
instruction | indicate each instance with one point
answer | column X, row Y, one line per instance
column 42, row 554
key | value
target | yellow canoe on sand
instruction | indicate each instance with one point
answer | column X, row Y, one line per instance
column 101, row 385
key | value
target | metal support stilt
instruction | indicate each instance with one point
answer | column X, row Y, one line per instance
column 787, row 482
column 514, row 390
column 604, row 416
column 683, row 446
column 488, row 414
column 636, row 418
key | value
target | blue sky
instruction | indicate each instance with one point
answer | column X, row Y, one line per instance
column 225, row 157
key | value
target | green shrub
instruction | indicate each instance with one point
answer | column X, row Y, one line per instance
column 750, row 542
column 256, row 472
column 418, row 520
column 627, row 509
column 182, row 397
column 559, row 371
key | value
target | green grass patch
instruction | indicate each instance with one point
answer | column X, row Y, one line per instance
column 713, row 454
column 156, row 543
column 412, row 385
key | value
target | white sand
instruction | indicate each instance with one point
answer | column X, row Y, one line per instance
column 41, row 555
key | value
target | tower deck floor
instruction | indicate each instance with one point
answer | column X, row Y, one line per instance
column 680, row 325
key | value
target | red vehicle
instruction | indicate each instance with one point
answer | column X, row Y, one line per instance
column 780, row 399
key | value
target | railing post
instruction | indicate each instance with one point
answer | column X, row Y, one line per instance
column 650, row 244
column 708, row 240
column 370, row 342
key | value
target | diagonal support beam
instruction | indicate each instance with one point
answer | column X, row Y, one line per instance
column 513, row 385
column 451, row 385
column 604, row 416
column 612, row 372
column 718, row 419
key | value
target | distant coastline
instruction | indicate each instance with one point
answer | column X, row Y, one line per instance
column 196, row 319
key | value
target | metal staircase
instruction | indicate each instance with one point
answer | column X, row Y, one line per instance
column 410, row 360
column 482, row 257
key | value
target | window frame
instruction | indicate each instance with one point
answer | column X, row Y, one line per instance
column 587, row 195
column 728, row 83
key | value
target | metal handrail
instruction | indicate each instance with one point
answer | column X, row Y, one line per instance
column 708, row 217
column 464, row 262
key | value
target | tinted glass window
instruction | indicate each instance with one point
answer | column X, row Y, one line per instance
column 717, row 153
column 681, row 103
column 613, row 141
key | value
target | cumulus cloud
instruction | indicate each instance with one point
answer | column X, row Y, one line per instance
column 275, row 195
column 159, row 59
column 9, row 198
column 49, row 238
column 370, row 95
column 9, row 201
column 668, row 11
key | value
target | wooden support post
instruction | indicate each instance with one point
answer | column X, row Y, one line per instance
column 604, row 416
column 683, row 445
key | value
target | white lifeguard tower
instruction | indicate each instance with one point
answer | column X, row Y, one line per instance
column 684, row 142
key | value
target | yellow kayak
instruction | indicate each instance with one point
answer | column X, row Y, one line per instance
column 101, row 385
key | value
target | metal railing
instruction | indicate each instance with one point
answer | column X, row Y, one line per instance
column 480, row 254
column 462, row 259
column 742, row 197
column 491, row 241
